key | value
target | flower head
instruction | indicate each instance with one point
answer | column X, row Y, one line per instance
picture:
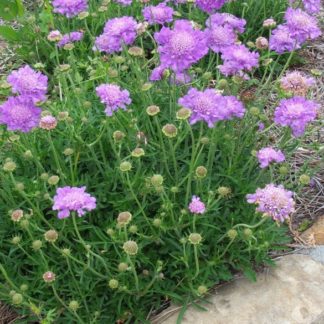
column 159, row 14
column 268, row 155
column 113, row 97
column 54, row 36
column 70, row 38
column 226, row 20
column 220, row 37
column 210, row 6
column 28, row 82
column 124, row 3
column 48, row 122
column 281, row 40
column 19, row 114
column 181, row 46
column 296, row 113
column 296, row 83
column 69, row 199
column 49, row 276
column 273, row 201
column 196, row 206
column 117, row 32
column 210, row 106
column 69, row 8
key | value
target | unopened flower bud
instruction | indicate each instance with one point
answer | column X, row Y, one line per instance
column 204, row 140
column 304, row 179
column 53, row 180
column 133, row 229
column 16, row 240
column 24, row 223
column 37, row 245
column 17, row 215
column 74, row 305
column 124, row 218
column 49, row 276
column 269, row 23
column 201, row 172
column 222, row 84
column 48, row 122
column 157, row 222
column 122, row 267
column 64, row 67
column 183, row 114
column 138, row 152
column 9, row 166
column 194, row 238
column 113, row 283
column 135, row 51
column 201, row 290
column 130, row 247
column 110, row 231
column 63, row 115
column 17, row 299
column 82, row 15
column 54, row 36
column 125, row 166
column 28, row 155
column 170, row 130
column 24, row 287
column 44, row 176
column 174, row 189
column 247, row 233
column 119, row 59
column 254, row 111
column 20, row 186
column 283, row 170
column 152, row 110
column 68, row 151
column 51, row 236
column 147, row 86
column 66, row 252
column 261, row 43
column 232, row 233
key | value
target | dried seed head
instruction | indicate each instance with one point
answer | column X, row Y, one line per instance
column 138, row 152
column 224, row 191
column 37, row 245
column 130, row 247
column 170, row 130
column 135, row 51
column 157, row 180
column 124, row 218
column 152, row 110
column 261, row 43
column 63, row 115
column 53, row 180
column 74, row 305
column 201, row 172
column 51, row 236
column 122, row 267
column 183, row 114
column 113, row 283
column 17, row 215
column 66, row 252
column 49, row 276
column 118, row 136
column 125, row 166
column 194, row 238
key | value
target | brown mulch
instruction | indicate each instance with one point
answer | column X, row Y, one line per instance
column 7, row 315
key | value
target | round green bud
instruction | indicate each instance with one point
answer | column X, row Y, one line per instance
column 283, row 170
column 222, row 84
column 17, row 299
column 157, row 180
column 174, row 189
column 183, row 114
column 125, row 166
column 28, row 155
column 122, row 267
column 119, row 59
column 113, row 283
column 207, row 76
column 232, row 233
column 204, row 140
column 110, row 231
column 66, row 252
column 20, row 186
column 254, row 111
column 24, row 223
column 53, row 180
column 51, row 236
column 68, row 151
column 224, row 191
column 147, row 86
column 9, row 166
column 247, row 233
column 118, row 136
column 37, row 245
column 157, row 222
column 304, row 179
column 74, row 305
column 130, row 247
column 133, row 229
column 201, row 172
column 24, row 287
column 194, row 238
column 201, row 290
column 16, row 240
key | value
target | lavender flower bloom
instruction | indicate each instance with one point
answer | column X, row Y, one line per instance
column 69, row 8
column 238, row 58
column 196, row 206
column 268, row 155
column 181, row 47
column 28, row 82
column 301, row 25
column 69, row 199
column 210, row 106
column 273, row 201
column 220, row 37
column 210, row 6
column 157, row 73
column 113, row 97
column 159, row 14
column 281, row 40
column 296, row 113
column 117, row 32
column 226, row 19
column 124, row 3
column 19, row 113
column 310, row 6
column 70, row 38
column 296, row 83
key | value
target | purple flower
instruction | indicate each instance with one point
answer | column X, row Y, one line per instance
column 273, row 201
column 296, row 113
column 54, row 36
column 238, row 59
column 124, row 3
column 70, row 38
column 196, row 206
column 261, row 127
column 113, row 97
column 210, row 6
column 20, row 113
column 181, row 47
column 69, row 8
column 310, row 6
column 301, row 25
column 281, row 40
column 268, row 155
column 69, row 199
column 157, row 73
column 211, row 106
column 28, row 82
column 296, row 83
column 159, row 14
column 220, row 37
column 117, row 32
column 226, row 19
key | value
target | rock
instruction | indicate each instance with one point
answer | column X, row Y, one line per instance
column 315, row 234
column 290, row 293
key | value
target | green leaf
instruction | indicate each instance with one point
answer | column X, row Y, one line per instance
column 9, row 34
column 20, row 7
column 250, row 274
column 8, row 10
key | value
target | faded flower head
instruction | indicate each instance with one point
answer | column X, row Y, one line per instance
column 17, row 215
column 49, row 276
column 273, row 201
column 170, row 130
column 159, row 14
column 48, row 122
column 69, row 8
column 296, row 83
column 296, row 113
column 28, row 82
column 196, row 206
column 54, row 36
column 261, row 43
column 124, row 218
column 113, row 97
column 51, row 236
column 195, row 238
column 19, row 114
column 130, row 247
column 268, row 155
column 69, row 199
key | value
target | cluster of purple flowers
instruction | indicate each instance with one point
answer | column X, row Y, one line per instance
column 117, row 33
column 273, row 201
column 299, row 27
column 69, row 8
column 20, row 113
column 210, row 6
column 268, row 155
column 70, row 38
column 159, row 14
column 113, row 97
column 179, row 47
column 296, row 113
column 69, row 199
column 211, row 107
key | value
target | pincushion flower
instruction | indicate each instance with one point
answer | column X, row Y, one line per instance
column 238, row 59
column 296, row 83
column 273, row 201
column 210, row 106
column 210, row 6
column 69, row 199
column 181, row 46
column 69, row 8
column 312, row 6
column 301, row 25
column 117, row 32
column 281, row 40
column 226, row 20
column 28, row 82
column 196, row 206
column 220, row 37
column 54, row 36
column 296, row 113
column 113, row 97
column 159, row 14
column 70, row 38
column 268, row 155
column 20, row 114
